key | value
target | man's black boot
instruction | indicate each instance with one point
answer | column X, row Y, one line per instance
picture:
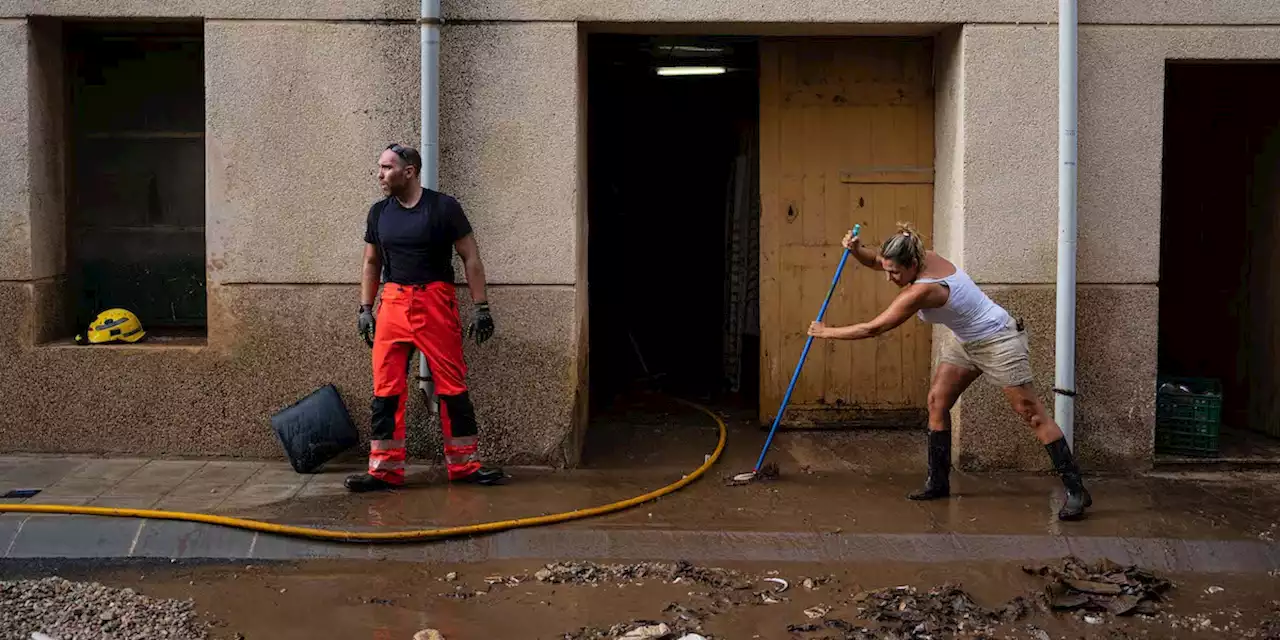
column 485, row 476
column 1078, row 498
column 362, row 482
column 938, row 485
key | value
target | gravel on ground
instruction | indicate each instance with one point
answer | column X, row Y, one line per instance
column 65, row 610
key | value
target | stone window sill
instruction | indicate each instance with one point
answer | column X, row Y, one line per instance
column 154, row 341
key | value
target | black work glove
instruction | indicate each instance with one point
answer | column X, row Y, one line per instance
column 481, row 324
column 366, row 323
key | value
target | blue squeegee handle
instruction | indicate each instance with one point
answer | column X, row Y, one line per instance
column 800, row 365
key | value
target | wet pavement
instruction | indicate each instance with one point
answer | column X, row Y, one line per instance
column 849, row 485
column 856, row 556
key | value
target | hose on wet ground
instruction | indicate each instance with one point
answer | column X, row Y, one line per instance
column 391, row 536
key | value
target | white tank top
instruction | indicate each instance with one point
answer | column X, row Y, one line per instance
column 968, row 313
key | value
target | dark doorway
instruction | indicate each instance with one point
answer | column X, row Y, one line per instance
column 673, row 216
column 1219, row 267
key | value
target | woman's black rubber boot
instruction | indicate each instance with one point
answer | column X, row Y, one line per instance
column 1078, row 498
column 938, row 485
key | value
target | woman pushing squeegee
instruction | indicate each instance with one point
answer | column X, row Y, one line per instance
column 987, row 340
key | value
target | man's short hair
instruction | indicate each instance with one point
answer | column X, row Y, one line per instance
column 408, row 154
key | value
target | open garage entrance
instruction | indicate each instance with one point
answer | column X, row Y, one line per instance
column 722, row 173
column 673, row 242
column 673, row 215
column 1219, row 267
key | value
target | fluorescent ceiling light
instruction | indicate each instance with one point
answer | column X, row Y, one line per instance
column 690, row 71
column 688, row 48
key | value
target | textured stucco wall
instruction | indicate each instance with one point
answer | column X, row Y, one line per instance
column 882, row 11
column 1122, row 136
column 509, row 130
column 296, row 115
column 949, row 140
column 1188, row 12
column 1010, row 153
column 1010, row 219
column 46, row 93
column 15, row 190
column 1115, row 382
column 1011, row 134
column 752, row 11
column 217, row 9
column 282, row 342
column 302, row 96
column 1181, row 12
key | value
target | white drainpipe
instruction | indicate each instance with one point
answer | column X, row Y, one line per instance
column 429, row 28
column 429, row 31
column 1065, row 346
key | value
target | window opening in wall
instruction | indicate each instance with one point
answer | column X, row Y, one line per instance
column 1219, row 268
column 136, row 205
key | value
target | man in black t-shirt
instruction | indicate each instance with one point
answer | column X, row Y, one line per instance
column 410, row 237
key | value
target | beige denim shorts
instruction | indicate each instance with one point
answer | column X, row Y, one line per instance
column 1005, row 357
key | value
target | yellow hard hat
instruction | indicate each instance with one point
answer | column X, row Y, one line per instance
column 113, row 325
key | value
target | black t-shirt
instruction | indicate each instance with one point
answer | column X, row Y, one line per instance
column 417, row 243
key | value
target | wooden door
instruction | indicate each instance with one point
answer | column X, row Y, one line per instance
column 846, row 137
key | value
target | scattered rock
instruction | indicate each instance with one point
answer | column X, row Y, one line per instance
column 683, row 616
column 451, row 576
column 617, row 631
column 816, row 612
column 428, row 634
column 648, row 632
column 57, row 608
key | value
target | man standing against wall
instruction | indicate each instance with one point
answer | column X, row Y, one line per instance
column 412, row 234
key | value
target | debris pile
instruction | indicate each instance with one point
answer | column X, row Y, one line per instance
column 635, row 630
column 903, row 613
column 1102, row 587
column 1271, row 624
column 592, row 573
column 1090, row 591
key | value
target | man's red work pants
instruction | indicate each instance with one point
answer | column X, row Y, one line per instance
column 425, row 316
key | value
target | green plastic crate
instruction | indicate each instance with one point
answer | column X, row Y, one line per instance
column 1188, row 422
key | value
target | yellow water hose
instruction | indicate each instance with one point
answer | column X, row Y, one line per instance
column 388, row 536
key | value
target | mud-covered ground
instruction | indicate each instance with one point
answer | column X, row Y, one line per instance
column 585, row 601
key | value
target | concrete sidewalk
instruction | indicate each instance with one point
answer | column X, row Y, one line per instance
column 1205, row 522
column 840, row 497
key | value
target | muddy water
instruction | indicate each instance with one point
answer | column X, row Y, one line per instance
column 392, row 601
column 832, row 481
